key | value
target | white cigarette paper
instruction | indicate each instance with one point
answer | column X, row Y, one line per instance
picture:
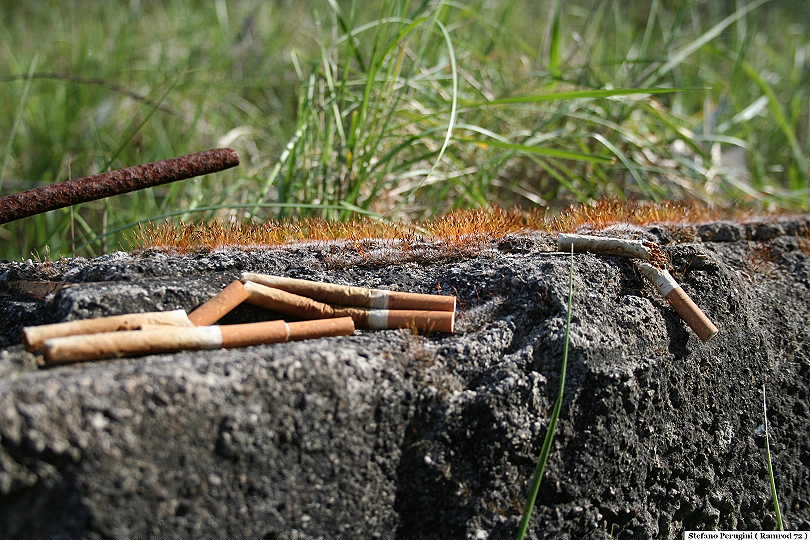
column 677, row 297
column 35, row 336
column 604, row 245
column 354, row 296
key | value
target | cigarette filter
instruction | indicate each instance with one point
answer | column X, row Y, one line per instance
column 677, row 297
column 66, row 350
column 287, row 303
column 379, row 319
column 339, row 326
column 34, row 336
column 220, row 305
column 604, row 245
column 355, row 296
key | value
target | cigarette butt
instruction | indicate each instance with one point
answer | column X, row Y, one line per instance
column 693, row 315
column 355, row 296
column 66, row 350
column 678, row 299
column 378, row 319
column 604, row 245
column 243, row 335
column 287, row 303
column 220, row 305
column 34, row 336
column 340, row 326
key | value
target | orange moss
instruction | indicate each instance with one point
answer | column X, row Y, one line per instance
column 462, row 228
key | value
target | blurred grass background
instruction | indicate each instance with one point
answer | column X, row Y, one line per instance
column 400, row 109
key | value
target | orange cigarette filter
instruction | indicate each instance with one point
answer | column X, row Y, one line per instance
column 340, row 326
column 220, row 305
column 72, row 349
column 34, row 337
column 377, row 319
column 355, row 296
column 694, row 317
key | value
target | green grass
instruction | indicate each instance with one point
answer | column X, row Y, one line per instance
column 400, row 108
column 777, row 509
column 551, row 432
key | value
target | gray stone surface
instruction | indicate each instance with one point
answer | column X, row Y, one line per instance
column 385, row 434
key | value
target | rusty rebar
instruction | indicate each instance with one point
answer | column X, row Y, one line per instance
column 91, row 188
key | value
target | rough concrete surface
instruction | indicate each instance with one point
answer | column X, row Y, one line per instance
column 385, row 434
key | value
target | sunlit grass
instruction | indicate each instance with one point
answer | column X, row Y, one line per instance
column 398, row 108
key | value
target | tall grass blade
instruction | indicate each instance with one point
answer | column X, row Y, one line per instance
column 555, row 50
column 153, row 108
column 17, row 119
column 781, row 118
column 545, row 451
column 573, row 94
column 288, row 148
column 454, row 97
column 776, row 508
column 346, row 29
column 631, row 168
column 682, row 54
column 539, row 150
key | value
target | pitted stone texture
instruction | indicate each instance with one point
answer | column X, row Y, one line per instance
column 384, row 434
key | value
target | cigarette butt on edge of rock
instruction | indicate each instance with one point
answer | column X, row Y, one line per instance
column 34, row 336
column 220, row 305
column 67, row 350
column 339, row 326
column 677, row 297
column 355, row 296
column 604, row 245
column 381, row 319
column 287, row 303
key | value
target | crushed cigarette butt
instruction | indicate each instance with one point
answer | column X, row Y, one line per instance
column 639, row 249
column 654, row 269
column 604, row 245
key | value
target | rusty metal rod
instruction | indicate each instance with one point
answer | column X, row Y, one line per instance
column 90, row 188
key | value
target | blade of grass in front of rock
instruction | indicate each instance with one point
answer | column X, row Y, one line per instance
column 548, row 441
column 771, row 480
